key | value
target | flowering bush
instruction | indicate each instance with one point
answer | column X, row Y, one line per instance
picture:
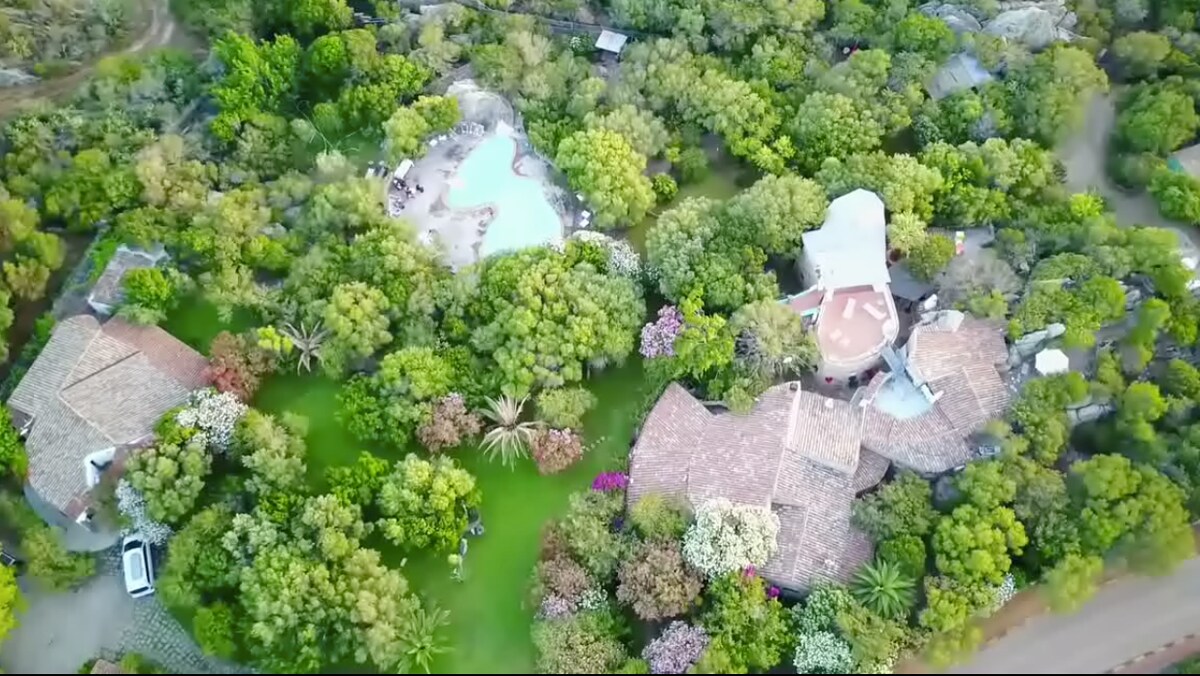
column 823, row 653
column 556, row 450
column 448, row 424
column 656, row 583
column 1005, row 592
column 216, row 414
column 132, row 504
column 555, row 607
column 676, row 649
column 726, row 537
column 561, row 577
column 622, row 259
column 606, row 482
column 237, row 364
column 658, row 337
column 594, row 599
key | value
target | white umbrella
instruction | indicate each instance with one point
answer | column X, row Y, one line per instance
column 1049, row 362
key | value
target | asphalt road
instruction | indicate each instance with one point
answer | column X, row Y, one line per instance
column 1128, row 618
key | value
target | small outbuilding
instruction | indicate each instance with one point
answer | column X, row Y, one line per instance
column 611, row 42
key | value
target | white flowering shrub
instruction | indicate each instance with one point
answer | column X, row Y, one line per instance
column 132, row 504
column 1005, row 592
column 215, row 414
column 593, row 599
column 622, row 259
column 726, row 537
column 823, row 653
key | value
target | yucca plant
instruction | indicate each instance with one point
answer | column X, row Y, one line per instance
column 510, row 437
column 884, row 589
column 307, row 343
column 421, row 641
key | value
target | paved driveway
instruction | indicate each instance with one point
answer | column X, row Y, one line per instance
column 1085, row 155
column 1131, row 617
column 60, row 631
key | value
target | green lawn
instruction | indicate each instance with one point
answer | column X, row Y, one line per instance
column 490, row 622
column 195, row 322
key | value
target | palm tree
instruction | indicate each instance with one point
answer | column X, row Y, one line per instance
column 884, row 589
column 510, row 437
column 307, row 342
column 421, row 640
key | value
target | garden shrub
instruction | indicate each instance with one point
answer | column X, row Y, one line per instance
column 905, row 551
column 213, row 627
column 199, row 567
column 656, row 583
column 561, row 577
column 564, row 407
column 449, row 424
column 588, row 643
column 727, row 537
column 659, row 518
column 237, row 364
column 556, row 450
column 49, row 562
column 588, row 528
column 216, row 414
column 13, row 460
column 746, row 624
column 358, row 483
column 675, row 650
column 822, row 653
column 425, row 503
column 170, row 474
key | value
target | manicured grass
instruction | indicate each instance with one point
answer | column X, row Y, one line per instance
column 196, row 322
column 490, row 620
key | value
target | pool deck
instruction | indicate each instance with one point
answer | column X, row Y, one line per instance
column 460, row 232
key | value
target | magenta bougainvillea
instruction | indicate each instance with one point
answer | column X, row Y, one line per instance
column 606, row 482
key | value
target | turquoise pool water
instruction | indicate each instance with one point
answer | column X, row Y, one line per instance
column 523, row 216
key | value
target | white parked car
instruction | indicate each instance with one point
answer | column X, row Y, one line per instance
column 137, row 566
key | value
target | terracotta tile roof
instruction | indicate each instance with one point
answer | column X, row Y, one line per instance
column 792, row 452
column 827, row 431
column 960, row 361
column 871, row 469
column 95, row 387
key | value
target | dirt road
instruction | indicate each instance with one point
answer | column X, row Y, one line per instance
column 158, row 33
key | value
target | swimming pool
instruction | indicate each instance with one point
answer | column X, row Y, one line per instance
column 523, row 215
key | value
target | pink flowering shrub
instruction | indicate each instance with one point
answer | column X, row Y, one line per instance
column 556, row 450
column 658, row 338
column 449, row 424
